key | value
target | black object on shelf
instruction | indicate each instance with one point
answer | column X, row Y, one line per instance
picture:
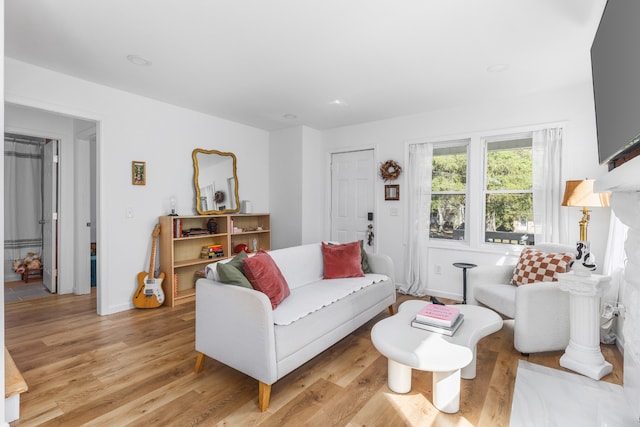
column 464, row 266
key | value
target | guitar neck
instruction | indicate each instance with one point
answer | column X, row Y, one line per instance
column 152, row 260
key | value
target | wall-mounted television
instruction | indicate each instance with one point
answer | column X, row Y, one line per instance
column 615, row 63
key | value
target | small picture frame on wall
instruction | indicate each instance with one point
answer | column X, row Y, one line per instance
column 392, row 192
column 138, row 173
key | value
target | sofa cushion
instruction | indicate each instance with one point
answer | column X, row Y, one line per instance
column 299, row 264
column 312, row 297
column 537, row 266
column 342, row 261
column 499, row 297
column 231, row 272
column 265, row 276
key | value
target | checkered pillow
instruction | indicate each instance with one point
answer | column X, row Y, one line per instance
column 538, row 266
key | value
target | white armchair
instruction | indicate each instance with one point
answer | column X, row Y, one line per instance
column 540, row 311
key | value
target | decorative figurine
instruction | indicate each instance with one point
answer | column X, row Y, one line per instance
column 584, row 263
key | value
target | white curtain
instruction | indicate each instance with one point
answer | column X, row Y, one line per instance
column 22, row 200
column 547, row 184
column 614, row 263
column 419, row 190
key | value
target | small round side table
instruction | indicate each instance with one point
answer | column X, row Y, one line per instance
column 464, row 266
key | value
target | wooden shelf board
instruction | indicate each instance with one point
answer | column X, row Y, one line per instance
column 200, row 236
column 251, row 232
column 197, row 261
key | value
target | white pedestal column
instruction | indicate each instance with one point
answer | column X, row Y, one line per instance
column 583, row 353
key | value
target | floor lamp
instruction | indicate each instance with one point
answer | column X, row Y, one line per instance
column 580, row 193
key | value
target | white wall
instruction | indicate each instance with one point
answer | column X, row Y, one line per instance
column 297, row 186
column 313, row 195
column 573, row 107
column 2, row 407
column 285, row 169
column 137, row 128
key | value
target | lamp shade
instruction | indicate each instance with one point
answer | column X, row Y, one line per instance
column 580, row 193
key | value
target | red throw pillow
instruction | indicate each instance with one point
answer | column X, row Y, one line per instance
column 265, row 276
column 537, row 266
column 342, row 260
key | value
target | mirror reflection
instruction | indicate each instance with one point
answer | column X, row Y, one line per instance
column 215, row 181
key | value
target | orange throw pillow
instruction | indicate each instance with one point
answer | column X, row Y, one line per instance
column 537, row 266
column 265, row 276
column 342, row 260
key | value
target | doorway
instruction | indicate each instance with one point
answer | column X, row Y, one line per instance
column 76, row 195
column 352, row 196
column 30, row 192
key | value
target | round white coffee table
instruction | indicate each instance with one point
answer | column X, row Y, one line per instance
column 449, row 358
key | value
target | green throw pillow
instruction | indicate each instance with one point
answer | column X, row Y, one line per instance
column 365, row 260
column 231, row 272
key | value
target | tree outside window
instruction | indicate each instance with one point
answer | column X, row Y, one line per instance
column 509, row 191
column 449, row 192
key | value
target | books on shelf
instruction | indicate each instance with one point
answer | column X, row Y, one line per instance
column 177, row 227
column 444, row 330
column 212, row 251
column 195, row 232
column 439, row 315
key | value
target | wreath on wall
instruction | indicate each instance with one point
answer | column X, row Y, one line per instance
column 390, row 170
column 218, row 197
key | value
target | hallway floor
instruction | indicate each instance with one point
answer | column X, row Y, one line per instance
column 20, row 291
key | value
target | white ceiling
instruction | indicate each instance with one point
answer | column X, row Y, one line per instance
column 255, row 61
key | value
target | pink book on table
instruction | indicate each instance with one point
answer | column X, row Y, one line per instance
column 438, row 314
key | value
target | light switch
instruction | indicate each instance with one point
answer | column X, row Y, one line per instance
column 393, row 211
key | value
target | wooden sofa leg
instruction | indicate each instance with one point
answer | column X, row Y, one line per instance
column 199, row 362
column 392, row 310
column 264, row 395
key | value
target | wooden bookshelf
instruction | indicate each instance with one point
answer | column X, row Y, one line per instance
column 180, row 252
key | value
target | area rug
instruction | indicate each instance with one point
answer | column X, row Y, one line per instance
column 550, row 397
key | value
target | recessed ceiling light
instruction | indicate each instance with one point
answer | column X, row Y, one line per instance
column 138, row 60
column 338, row 102
column 498, row 68
column 290, row 116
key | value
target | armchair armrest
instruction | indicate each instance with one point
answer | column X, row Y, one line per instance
column 382, row 264
column 234, row 325
column 542, row 318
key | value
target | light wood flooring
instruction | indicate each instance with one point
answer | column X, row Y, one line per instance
column 136, row 368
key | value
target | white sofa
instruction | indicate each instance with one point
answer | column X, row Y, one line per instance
column 238, row 327
column 540, row 310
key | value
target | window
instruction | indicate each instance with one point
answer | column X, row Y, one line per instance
column 508, row 190
column 449, row 191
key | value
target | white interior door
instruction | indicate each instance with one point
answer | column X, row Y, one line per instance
column 50, row 208
column 352, row 185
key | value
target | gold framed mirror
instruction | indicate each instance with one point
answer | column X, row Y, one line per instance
column 216, row 182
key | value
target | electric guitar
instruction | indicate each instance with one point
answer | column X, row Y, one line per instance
column 149, row 293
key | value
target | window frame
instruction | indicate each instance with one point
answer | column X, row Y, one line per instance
column 466, row 143
column 484, row 192
column 474, row 225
